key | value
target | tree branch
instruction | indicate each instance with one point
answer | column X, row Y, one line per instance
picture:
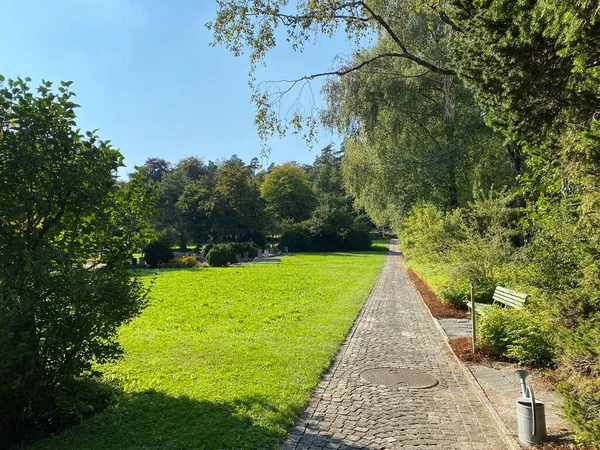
column 405, row 53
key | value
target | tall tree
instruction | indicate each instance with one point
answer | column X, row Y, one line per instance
column 287, row 192
column 236, row 207
column 326, row 172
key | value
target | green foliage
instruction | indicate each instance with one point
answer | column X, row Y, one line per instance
column 524, row 336
column 219, row 255
column 331, row 216
column 207, row 248
column 296, row 239
column 226, row 359
column 68, row 232
column 157, row 252
column 287, row 192
column 241, row 247
column 326, row 172
column 235, row 206
column 579, row 367
column 429, row 233
column 356, row 240
column 456, row 295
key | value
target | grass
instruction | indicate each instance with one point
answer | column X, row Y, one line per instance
column 382, row 244
column 227, row 358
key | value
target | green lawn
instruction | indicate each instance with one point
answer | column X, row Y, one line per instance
column 226, row 358
column 381, row 244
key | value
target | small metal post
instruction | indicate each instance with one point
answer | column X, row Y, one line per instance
column 473, row 315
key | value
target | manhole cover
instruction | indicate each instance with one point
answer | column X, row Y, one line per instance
column 401, row 378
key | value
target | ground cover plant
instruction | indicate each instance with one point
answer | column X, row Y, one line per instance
column 227, row 357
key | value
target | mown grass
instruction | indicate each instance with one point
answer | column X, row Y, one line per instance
column 381, row 244
column 226, row 358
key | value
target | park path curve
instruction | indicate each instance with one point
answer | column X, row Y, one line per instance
column 394, row 329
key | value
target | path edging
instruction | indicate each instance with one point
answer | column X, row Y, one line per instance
column 512, row 443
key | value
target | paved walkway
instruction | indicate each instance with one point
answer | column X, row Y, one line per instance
column 394, row 330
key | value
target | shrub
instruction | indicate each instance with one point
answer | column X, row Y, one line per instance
column 219, row 255
column 455, row 295
column 57, row 318
column 520, row 335
column 296, row 239
column 429, row 233
column 579, row 367
column 256, row 237
column 206, row 248
column 157, row 252
column 356, row 240
column 241, row 247
column 181, row 262
column 325, row 242
column 458, row 293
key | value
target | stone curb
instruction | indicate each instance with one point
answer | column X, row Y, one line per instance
column 511, row 442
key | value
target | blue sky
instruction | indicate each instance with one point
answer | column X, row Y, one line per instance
column 146, row 77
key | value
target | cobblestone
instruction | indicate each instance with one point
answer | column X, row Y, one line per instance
column 394, row 330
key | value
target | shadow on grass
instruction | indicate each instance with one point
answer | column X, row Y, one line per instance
column 153, row 420
column 358, row 254
column 142, row 273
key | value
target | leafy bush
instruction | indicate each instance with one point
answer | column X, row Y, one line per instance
column 356, row 240
column 206, row 248
column 455, row 295
column 57, row 316
column 428, row 233
column 242, row 247
column 157, row 253
column 325, row 242
column 181, row 262
column 521, row 335
column 256, row 237
column 296, row 239
column 219, row 255
column 579, row 368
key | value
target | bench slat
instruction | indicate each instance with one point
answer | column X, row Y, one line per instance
column 509, row 298
column 503, row 290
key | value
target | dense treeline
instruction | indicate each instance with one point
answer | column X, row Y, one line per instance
column 472, row 128
column 231, row 201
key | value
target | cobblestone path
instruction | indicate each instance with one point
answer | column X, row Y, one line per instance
column 394, row 330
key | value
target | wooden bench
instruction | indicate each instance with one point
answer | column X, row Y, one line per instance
column 506, row 297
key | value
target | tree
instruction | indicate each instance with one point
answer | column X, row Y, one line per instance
column 243, row 26
column 67, row 234
column 195, row 206
column 235, row 206
column 172, row 223
column 155, row 168
column 287, row 192
column 193, row 167
column 326, row 172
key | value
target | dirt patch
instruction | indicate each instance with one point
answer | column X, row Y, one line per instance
column 436, row 307
column 462, row 347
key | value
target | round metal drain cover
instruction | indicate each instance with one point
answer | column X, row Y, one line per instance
column 401, row 378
